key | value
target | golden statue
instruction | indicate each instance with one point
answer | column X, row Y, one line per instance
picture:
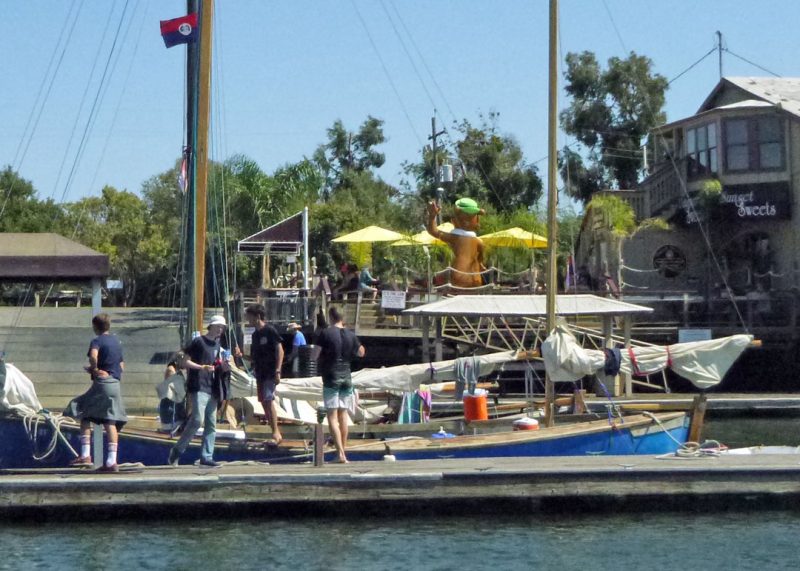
column 463, row 240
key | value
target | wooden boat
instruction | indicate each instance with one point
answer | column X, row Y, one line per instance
column 34, row 434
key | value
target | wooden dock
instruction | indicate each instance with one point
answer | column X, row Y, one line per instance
column 515, row 485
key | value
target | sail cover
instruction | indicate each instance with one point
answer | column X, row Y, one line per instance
column 401, row 378
column 704, row 363
column 16, row 390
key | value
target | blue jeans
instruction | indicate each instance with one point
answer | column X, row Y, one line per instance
column 204, row 411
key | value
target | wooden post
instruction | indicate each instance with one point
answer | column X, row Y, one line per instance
column 626, row 328
column 426, row 338
column 698, row 417
column 319, row 438
column 437, row 344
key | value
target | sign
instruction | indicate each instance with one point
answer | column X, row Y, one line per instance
column 762, row 201
column 670, row 261
column 114, row 284
column 248, row 335
column 393, row 299
column 688, row 335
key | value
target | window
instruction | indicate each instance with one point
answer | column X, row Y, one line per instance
column 701, row 151
column 754, row 144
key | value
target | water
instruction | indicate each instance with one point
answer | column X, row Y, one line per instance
column 760, row 540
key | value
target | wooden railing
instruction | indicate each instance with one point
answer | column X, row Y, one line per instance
column 664, row 187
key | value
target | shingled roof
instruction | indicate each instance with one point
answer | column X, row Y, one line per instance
column 49, row 257
column 782, row 92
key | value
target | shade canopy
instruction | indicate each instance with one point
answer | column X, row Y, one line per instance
column 423, row 238
column 370, row 234
column 514, row 238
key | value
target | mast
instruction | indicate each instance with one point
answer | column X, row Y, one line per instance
column 199, row 74
column 552, row 197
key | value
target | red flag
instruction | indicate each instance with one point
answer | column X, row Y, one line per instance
column 179, row 30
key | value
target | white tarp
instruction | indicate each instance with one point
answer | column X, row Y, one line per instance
column 704, row 363
column 17, row 392
column 402, row 378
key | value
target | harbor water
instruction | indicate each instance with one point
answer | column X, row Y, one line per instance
column 756, row 540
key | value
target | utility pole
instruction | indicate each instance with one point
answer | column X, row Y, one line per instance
column 434, row 149
column 719, row 51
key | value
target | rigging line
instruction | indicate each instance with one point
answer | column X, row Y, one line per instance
column 386, row 72
column 708, row 53
column 422, row 59
column 614, row 25
column 92, row 112
column 685, row 191
column 41, row 106
column 408, row 54
column 751, row 63
column 84, row 97
column 123, row 85
column 57, row 49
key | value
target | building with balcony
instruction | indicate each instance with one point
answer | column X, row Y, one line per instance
column 726, row 181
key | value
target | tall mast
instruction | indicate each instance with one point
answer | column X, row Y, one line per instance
column 198, row 121
column 552, row 197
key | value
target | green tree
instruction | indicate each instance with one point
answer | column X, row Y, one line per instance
column 490, row 167
column 611, row 113
column 118, row 223
column 348, row 154
column 21, row 211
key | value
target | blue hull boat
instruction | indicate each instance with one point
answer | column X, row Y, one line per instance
column 662, row 433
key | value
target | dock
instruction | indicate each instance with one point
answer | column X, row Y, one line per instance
column 437, row 487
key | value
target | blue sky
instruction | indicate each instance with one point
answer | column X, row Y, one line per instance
column 286, row 70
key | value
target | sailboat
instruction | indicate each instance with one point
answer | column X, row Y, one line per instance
column 43, row 436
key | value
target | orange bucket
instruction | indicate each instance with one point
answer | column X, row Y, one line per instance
column 475, row 408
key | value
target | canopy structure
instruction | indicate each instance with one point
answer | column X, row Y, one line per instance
column 285, row 236
column 514, row 238
column 425, row 239
column 48, row 257
column 525, row 306
column 370, row 234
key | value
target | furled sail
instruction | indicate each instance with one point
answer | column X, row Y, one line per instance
column 401, row 378
column 704, row 363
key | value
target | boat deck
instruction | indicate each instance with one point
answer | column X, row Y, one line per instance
column 570, row 484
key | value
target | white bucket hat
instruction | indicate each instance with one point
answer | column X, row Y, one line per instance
column 218, row 320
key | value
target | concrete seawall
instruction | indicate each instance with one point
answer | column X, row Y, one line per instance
column 50, row 344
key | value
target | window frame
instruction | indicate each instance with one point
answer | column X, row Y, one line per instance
column 699, row 161
column 754, row 143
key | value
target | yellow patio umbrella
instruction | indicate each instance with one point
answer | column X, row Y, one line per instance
column 423, row 238
column 370, row 234
column 514, row 238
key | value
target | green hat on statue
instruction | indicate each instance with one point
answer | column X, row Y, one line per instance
column 468, row 205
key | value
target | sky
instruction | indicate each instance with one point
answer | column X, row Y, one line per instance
column 91, row 97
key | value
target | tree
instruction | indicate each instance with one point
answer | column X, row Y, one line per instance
column 490, row 168
column 611, row 113
column 21, row 211
column 118, row 223
column 347, row 154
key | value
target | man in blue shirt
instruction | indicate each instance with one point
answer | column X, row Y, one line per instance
column 298, row 340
